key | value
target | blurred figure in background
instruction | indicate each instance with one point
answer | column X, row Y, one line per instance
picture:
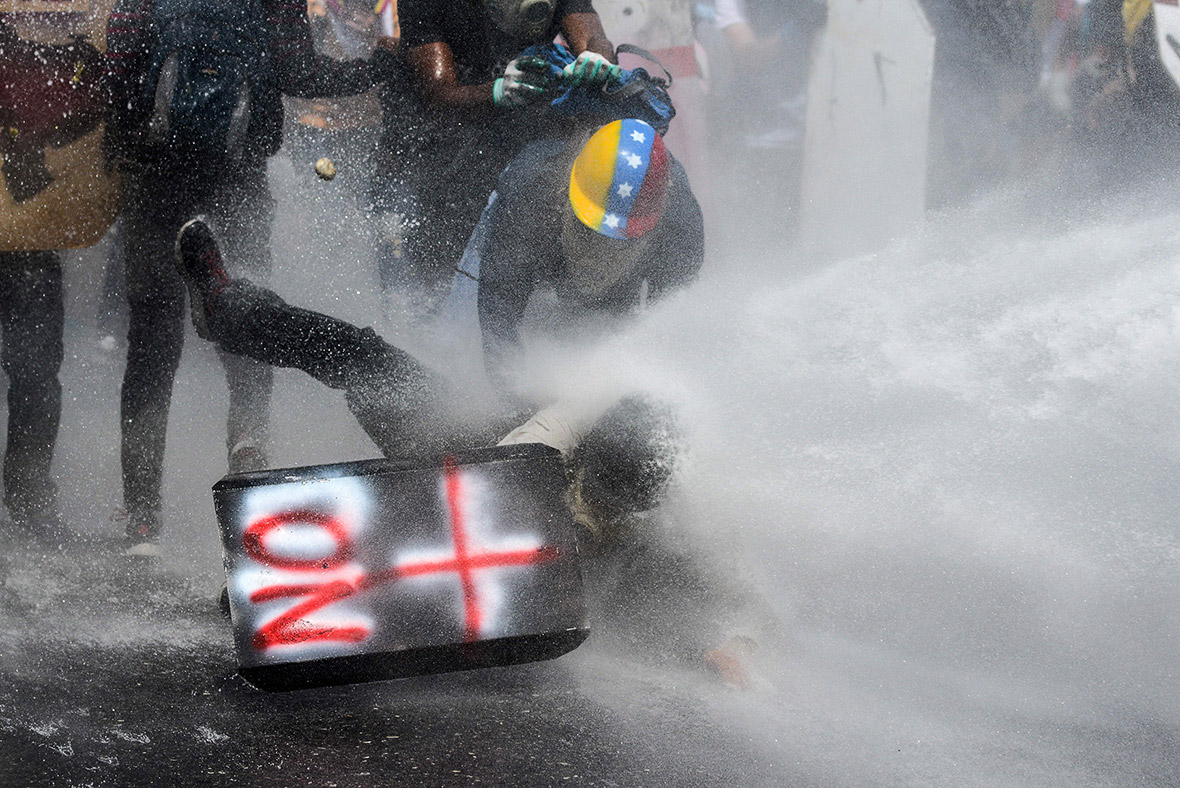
column 770, row 47
column 50, row 97
column 759, row 60
column 192, row 127
column 392, row 198
column 345, row 129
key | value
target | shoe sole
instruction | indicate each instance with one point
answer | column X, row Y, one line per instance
column 144, row 550
column 196, row 302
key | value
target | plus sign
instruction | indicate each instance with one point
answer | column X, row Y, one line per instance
column 465, row 561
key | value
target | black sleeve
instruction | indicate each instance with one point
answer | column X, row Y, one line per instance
column 507, row 278
column 301, row 71
column 680, row 248
column 566, row 7
column 421, row 22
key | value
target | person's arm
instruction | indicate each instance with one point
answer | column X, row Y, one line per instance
column 506, row 282
column 680, row 250
column 301, row 71
column 434, row 68
column 583, row 32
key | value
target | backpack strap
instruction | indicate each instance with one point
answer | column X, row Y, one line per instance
column 632, row 49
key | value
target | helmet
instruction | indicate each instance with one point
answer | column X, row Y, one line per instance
column 524, row 18
column 619, row 181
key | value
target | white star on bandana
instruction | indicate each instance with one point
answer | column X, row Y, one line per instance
column 611, row 221
column 624, row 189
column 638, row 136
column 633, row 160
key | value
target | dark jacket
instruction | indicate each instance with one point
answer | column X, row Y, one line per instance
column 297, row 70
column 523, row 252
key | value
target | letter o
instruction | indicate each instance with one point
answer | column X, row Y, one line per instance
column 253, row 540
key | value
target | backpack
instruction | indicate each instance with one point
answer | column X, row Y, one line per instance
column 635, row 94
column 209, row 81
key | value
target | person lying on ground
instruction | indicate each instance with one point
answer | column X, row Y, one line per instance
column 619, row 467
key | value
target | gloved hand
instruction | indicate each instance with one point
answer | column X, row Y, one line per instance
column 589, row 69
column 524, row 81
column 561, row 425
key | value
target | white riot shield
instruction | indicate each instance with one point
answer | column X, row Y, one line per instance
column 1167, row 34
column 864, row 165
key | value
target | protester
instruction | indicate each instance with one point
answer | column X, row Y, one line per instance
column 50, row 97
column 770, row 48
column 759, row 55
column 464, row 55
column 393, row 199
column 344, row 129
column 606, row 223
column 201, row 148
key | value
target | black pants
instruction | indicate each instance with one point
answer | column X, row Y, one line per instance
column 31, row 325
column 402, row 406
column 627, row 457
column 158, row 203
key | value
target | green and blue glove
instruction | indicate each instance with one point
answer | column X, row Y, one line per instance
column 589, row 69
column 524, row 81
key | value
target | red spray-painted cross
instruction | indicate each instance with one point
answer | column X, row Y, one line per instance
column 291, row 628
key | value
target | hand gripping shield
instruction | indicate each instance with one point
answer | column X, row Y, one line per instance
column 389, row 568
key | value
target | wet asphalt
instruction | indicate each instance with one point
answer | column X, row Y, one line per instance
column 119, row 672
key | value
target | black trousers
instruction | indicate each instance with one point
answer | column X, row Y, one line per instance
column 159, row 201
column 402, row 406
column 626, row 458
column 31, row 317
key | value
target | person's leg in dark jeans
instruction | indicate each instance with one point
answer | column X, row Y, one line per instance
column 31, row 318
column 402, row 406
column 395, row 399
column 155, row 337
column 244, row 209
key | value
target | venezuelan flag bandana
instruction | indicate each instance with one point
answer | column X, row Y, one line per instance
column 619, row 181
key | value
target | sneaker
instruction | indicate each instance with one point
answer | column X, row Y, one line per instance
column 246, row 456
column 142, row 532
column 199, row 262
column 40, row 522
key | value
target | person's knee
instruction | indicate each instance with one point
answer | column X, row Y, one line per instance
column 397, row 401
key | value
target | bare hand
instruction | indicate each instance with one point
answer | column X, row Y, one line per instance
column 730, row 661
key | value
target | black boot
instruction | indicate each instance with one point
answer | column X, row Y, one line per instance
column 199, row 262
